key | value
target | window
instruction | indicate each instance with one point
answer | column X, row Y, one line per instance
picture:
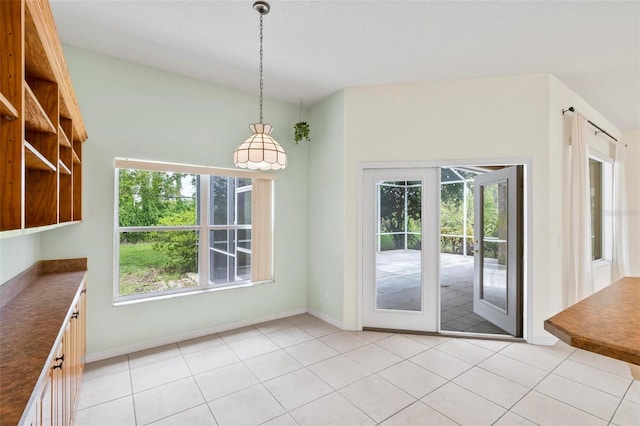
column 186, row 228
column 601, row 192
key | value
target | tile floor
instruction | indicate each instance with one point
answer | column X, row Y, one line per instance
column 300, row 370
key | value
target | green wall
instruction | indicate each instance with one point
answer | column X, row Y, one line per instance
column 138, row 112
column 326, row 209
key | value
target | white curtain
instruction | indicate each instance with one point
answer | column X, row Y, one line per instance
column 577, row 203
column 619, row 265
column 261, row 230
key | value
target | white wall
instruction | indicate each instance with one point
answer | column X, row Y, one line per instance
column 478, row 119
column 517, row 117
column 18, row 254
column 632, row 139
column 139, row 112
column 326, row 209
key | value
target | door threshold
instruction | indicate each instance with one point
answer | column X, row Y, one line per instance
column 481, row 336
column 457, row 334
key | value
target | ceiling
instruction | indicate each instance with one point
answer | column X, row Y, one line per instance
column 315, row 48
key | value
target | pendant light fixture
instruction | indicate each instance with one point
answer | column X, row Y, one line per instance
column 260, row 151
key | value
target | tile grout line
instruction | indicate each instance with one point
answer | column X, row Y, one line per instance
column 133, row 400
column 373, row 373
column 620, row 403
column 555, row 399
column 193, row 376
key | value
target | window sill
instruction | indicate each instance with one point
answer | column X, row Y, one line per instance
column 124, row 301
column 600, row 263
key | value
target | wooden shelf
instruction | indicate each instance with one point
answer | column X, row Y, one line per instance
column 35, row 117
column 7, row 110
column 64, row 170
column 41, row 173
column 35, row 161
column 63, row 140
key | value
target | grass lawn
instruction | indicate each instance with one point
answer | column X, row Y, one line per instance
column 140, row 256
column 142, row 270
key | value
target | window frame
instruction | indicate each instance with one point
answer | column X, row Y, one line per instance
column 606, row 185
column 203, row 228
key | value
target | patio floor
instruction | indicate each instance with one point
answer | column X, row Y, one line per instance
column 398, row 287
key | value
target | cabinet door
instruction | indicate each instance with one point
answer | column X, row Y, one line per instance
column 58, row 398
column 67, row 373
column 32, row 417
column 51, row 401
column 74, row 367
column 46, row 413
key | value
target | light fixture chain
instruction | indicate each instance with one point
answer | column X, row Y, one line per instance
column 261, row 54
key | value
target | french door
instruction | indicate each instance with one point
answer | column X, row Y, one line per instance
column 401, row 243
column 497, row 287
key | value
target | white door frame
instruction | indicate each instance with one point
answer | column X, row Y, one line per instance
column 428, row 317
column 527, row 213
column 507, row 318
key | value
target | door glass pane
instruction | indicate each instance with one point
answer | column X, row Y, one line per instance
column 399, row 244
column 493, row 286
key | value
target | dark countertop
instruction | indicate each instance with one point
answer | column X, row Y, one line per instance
column 607, row 322
column 30, row 324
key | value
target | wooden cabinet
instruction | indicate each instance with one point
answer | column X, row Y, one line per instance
column 56, row 396
column 42, row 349
column 41, row 128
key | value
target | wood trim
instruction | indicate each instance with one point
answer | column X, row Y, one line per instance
column 39, row 13
column 35, row 161
column 64, row 170
column 35, row 117
column 63, row 140
column 7, row 110
column 11, row 131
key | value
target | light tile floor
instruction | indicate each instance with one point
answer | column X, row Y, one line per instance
column 301, row 370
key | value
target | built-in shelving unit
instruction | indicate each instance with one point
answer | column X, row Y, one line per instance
column 42, row 130
column 7, row 110
column 35, row 161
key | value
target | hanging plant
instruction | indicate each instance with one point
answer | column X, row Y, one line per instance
column 301, row 131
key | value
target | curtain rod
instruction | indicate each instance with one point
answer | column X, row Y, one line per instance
column 600, row 129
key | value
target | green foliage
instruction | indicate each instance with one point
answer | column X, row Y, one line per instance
column 154, row 261
column 145, row 197
column 386, row 242
column 452, row 217
column 180, row 248
column 301, row 131
column 392, row 206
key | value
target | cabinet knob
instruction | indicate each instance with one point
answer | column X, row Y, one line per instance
column 83, row 291
column 60, row 358
column 57, row 366
column 75, row 314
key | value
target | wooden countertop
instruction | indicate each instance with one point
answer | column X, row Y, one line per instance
column 30, row 324
column 607, row 322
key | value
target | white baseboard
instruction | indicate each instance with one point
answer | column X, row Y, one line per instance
column 543, row 340
column 327, row 319
column 123, row 350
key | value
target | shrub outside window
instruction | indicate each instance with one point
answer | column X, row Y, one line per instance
column 183, row 228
